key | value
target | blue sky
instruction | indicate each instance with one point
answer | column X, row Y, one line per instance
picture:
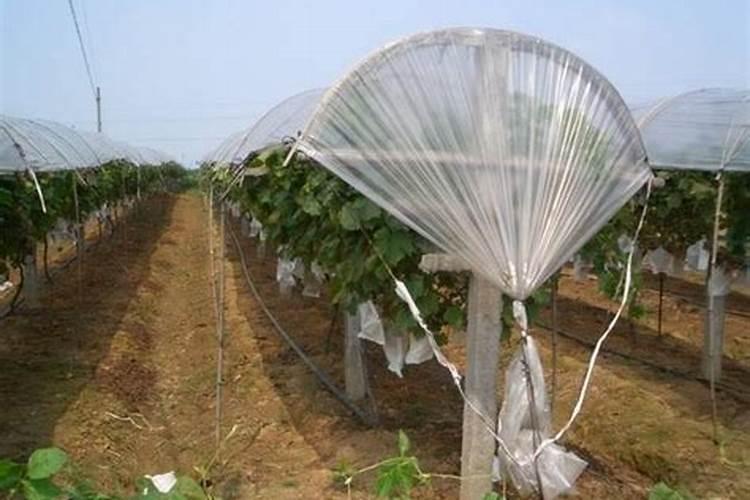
column 180, row 75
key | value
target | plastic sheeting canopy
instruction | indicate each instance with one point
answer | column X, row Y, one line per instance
column 500, row 148
column 706, row 129
column 44, row 146
column 286, row 119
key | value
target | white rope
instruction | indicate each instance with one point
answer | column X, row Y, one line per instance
column 38, row 189
column 594, row 355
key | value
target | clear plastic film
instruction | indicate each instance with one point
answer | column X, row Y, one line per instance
column 285, row 120
column 503, row 150
column 523, row 427
column 706, row 129
column 28, row 144
column 46, row 146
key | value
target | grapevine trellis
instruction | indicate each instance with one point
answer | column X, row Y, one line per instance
column 436, row 144
column 52, row 180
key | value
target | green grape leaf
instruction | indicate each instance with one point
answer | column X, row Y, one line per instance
column 40, row 489
column 10, row 474
column 46, row 462
column 349, row 219
column 454, row 316
column 661, row 491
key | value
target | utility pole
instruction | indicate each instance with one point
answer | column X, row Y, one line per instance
column 98, row 110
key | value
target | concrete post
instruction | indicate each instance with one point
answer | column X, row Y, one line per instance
column 30, row 282
column 355, row 375
column 713, row 336
column 482, row 353
column 484, row 326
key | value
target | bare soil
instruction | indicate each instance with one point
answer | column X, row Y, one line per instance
column 118, row 368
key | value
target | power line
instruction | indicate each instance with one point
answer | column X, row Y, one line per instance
column 94, row 66
column 83, row 48
column 249, row 118
column 89, row 38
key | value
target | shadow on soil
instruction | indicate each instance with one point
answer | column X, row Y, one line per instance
column 424, row 403
column 48, row 355
column 662, row 360
column 426, row 393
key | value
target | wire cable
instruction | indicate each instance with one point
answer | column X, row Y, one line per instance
column 83, row 47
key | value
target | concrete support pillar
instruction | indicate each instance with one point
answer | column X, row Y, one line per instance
column 355, row 374
column 482, row 356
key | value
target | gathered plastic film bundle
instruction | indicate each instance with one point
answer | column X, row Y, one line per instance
column 556, row 468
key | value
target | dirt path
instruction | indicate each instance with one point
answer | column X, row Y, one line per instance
column 122, row 377
column 119, row 370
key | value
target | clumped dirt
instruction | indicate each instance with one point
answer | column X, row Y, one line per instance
column 119, row 370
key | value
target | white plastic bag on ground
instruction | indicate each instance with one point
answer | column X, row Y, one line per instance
column 285, row 276
column 371, row 326
column 419, row 350
column 557, row 468
column 659, row 261
column 163, row 482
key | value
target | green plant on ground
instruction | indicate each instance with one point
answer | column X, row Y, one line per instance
column 660, row 491
column 397, row 476
column 46, row 476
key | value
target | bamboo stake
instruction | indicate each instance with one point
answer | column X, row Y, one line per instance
column 710, row 300
column 555, row 284
column 220, row 326
column 79, row 231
